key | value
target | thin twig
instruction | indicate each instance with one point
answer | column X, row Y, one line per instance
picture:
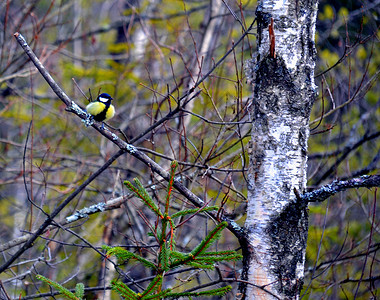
column 50, row 218
column 345, row 153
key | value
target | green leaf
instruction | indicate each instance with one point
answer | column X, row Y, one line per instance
column 158, row 296
column 173, row 167
column 164, row 257
column 223, row 255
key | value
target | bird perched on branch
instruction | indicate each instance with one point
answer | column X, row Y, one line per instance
column 101, row 109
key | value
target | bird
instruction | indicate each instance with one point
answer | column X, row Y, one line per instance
column 101, row 109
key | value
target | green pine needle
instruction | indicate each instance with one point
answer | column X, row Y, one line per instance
column 164, row 258
column 79, row 290
column 167, row 257
column 153, row 286
column 161, row 295
column 141, row 193
column 200, row 265
column 231, row 257
column 123, row 255
column 214, row 292
column 124, row 291
column 60, row 288
column 209, row 239
column 173, row 167
column 193, row 211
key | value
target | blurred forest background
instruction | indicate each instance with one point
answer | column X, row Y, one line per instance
column 147, row 55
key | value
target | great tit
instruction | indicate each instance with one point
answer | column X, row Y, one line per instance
column 101, row 109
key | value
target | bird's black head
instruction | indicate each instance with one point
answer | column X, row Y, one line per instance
column 104, row 98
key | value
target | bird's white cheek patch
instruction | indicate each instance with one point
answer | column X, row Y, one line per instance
column 103, row 99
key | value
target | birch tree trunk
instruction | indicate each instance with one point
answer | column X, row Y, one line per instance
column 284, row 91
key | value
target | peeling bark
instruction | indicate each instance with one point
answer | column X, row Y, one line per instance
column 284, row 92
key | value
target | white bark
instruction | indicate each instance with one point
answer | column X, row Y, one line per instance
column 284, row 92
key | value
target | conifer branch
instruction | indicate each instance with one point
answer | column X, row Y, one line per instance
column 60, row 288
column 79, row 290
column 192, row 211
column 123, row 255
column 154, row 285
column 173, row 167
column 141, row 193
column 167, row 257
column 123, row 290
column 214, row 292
column 209, row 239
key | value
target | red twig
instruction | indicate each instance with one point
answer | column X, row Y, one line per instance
column 272, row 40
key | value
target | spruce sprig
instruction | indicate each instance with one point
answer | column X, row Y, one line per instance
column 212, row 237
column 214, row 292
column 141, row 193
column 185, row 212
column 79, row 289
column 124, row 255
column 123, row 290
column 167, row 257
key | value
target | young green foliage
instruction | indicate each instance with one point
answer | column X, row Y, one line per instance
column 167, row 257
column 214, row 292
column 79, row 288
column 141, row 193
column 123, row 290
column 124, row 255
column 154, row 286
column 192, row 211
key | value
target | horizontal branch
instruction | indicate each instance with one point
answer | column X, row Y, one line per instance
column 328, row 190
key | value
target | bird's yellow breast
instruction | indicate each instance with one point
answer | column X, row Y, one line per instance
column 95, row 108
column 110, row 112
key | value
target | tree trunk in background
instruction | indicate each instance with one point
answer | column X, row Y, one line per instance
column 284, row 91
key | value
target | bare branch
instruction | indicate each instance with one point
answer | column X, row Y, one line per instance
column 328, row 190
column 348, row 149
